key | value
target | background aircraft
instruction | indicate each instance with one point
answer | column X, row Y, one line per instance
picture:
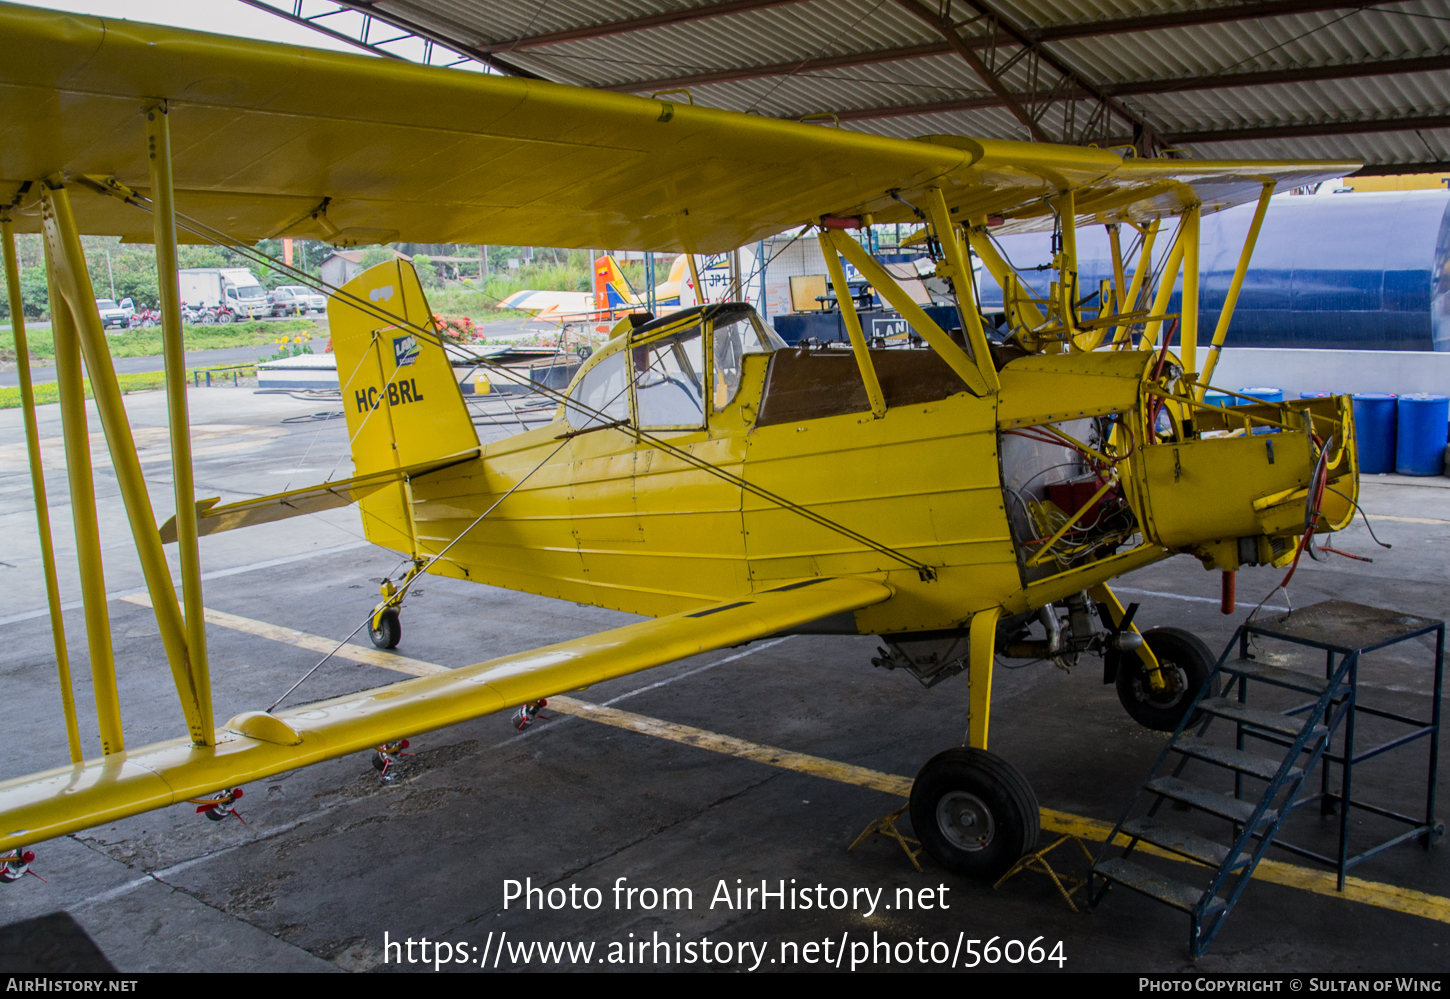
column 613, row 294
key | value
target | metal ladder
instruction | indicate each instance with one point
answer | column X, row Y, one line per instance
column 1253, row 822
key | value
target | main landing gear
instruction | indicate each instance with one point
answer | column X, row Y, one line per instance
column 974, row 812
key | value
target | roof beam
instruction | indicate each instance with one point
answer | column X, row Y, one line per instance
column 1214, row 15
column 968, row 53
column 1206, row 15
column 634, row 24
column 1313, row 129
column 783, row 68
column 366, row 8
column 1212, row 81
column 1071, row 81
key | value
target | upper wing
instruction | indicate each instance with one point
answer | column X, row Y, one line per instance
column 272, row 140
column 255, row 745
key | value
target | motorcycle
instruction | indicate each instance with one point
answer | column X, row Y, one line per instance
column 144, row 319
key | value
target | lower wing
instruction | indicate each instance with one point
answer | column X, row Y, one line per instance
column 255, row 745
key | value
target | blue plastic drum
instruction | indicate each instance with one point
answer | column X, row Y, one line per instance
column 1376, row 417
column 1261, row 394
column 1424, row 426
column 1316, row 395
column 1218, row 398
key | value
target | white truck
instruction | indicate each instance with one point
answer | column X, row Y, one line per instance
column 233, row 291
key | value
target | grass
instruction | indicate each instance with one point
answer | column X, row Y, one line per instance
column 147, row 343
column 45, row 392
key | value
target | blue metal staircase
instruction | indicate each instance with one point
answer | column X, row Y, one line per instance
column 1253, row 822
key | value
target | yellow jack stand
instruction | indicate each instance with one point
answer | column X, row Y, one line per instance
column 886, row 826
column 1038, row 862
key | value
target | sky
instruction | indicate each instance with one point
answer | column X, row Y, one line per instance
column 228, row 17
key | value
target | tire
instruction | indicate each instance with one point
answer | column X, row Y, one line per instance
column 208, row 319
column 148, row 324
column 224, row 318
column 974, row 813
column 1187, row 663
column 389, row 631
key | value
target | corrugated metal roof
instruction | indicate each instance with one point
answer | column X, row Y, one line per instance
column 1178, row 79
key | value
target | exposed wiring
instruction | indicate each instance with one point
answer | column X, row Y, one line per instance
column 1368, row 527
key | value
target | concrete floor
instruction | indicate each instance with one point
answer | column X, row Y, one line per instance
column 331, row 859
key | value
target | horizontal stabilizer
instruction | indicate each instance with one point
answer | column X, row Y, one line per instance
column 254, row 745
column 211, row 518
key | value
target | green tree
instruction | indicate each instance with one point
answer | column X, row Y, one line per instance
column 374, row 255
column 427, row 271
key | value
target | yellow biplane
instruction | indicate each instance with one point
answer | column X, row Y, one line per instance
column 965, row 500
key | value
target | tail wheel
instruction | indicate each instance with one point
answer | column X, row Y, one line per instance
column 1185, row 663
column 974, row 812
column 388, row 631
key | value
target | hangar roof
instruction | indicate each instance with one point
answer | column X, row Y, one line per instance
column 1282, row 79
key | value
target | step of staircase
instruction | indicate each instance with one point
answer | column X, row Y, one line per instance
column 1155, row 885
column 1182, row 842
column 1223, row 805
column 1235, row 759
column 1271, row 721
column 1292, row 679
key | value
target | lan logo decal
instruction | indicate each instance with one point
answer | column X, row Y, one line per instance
column 405, row 350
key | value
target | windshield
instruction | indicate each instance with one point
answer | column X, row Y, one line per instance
column 603, row 390
column 251, row 291
column 105, row 303
column 668, row 387
column 734, row 338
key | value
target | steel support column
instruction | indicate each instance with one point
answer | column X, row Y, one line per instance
column 64, row 242
column 37, row 486
column 961, row 265
column 70, row 385
column 163, row 217
column 903, row 303
column 853, row 322
column 1220, row 331
column 1144, row 267
column 1166, row 281
column 1188, row 335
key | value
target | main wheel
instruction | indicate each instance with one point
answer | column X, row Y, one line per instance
column 974, row 813
column 389, row 630
column 1186, row 664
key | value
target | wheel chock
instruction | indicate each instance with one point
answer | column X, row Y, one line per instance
column 886, row 826
column 1067, row 885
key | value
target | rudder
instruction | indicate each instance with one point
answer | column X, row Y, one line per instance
column 402, row 401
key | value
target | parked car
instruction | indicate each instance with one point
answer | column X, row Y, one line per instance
column 115, row 315
column 296, row 300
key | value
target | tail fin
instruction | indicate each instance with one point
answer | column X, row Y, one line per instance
column 667, row 292
column 612, row 289
column 403, row 403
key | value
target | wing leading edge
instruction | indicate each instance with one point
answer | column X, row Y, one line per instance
column 255, row 745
